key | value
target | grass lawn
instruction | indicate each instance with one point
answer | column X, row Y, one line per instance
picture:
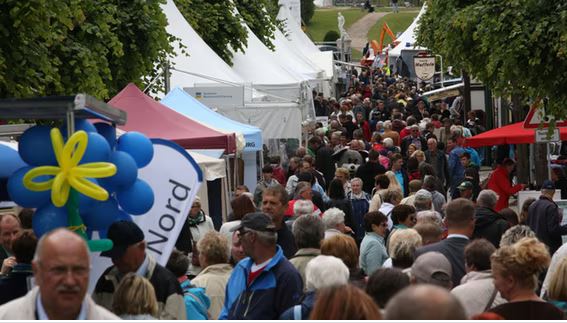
column 398, row 23
column 326, row 19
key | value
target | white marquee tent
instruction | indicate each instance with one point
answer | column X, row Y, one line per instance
column 205, row 68
column 407, row 38
column 302, row 44
column 202, row 59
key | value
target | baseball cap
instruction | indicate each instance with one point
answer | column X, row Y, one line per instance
column 466, row 185
column 548, row 185
column 123, row 234
column 258, row 221
column 432, row 268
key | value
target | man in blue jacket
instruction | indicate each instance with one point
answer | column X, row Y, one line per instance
column 265, row 284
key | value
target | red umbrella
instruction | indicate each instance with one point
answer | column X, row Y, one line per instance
column 510, row 134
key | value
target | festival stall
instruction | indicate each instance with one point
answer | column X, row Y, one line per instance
column 79, row 176
column 214, row 192
column 158, row 121
column 184, row 103
column 510, row 134
column 207, row 77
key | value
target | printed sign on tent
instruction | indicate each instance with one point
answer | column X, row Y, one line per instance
column 175, row 179
column 424, row 67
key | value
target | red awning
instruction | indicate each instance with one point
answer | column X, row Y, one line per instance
column 510, row 134
column 155, row 120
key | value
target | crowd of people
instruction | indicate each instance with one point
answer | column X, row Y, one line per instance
column 382, row 216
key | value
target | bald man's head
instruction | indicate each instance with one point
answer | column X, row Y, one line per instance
column 61, row 270
column 424, row 302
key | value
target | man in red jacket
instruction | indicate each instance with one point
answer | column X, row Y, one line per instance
column 499, row 182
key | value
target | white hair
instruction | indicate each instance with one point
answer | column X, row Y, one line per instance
column 487, row 198
column 388, row 142
column 356, row 179
column 319, row 132
column 302, row 207
column 429, row 216
column 333, row 217
column 325, row 271
column 403, row 243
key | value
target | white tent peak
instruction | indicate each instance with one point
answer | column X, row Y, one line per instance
column 202, row 60
column 408, row 37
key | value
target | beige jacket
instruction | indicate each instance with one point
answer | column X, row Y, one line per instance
column 301, row 258
column 23, row 308
column 214, row 279
column 475, row 291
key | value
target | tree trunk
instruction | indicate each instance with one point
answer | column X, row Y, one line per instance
column 522, row 151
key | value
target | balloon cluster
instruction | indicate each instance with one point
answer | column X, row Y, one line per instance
column 101, row 170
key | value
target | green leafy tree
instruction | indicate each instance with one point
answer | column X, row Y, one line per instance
column 258, row 15
column 307, row 10
column 216, row 23
column 516, row 47
column 65, row 47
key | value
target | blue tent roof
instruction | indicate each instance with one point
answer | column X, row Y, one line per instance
column 182, row 102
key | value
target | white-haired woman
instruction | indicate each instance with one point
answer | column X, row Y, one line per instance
column 321, row 272
column 334, row 221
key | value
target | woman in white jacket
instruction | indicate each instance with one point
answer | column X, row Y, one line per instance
column 477, row 292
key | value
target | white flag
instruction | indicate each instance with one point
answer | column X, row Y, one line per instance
column 175, row 179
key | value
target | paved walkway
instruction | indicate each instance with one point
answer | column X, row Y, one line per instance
column 358, row 31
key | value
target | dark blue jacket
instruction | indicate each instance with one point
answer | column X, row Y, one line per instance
column 276, row 289
column 16, row 283
column 544, row 219
column 306, row 306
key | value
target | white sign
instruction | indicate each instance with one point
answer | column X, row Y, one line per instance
column 541, row 135
column 175, row 179
column 424, row 67
column 218, row 96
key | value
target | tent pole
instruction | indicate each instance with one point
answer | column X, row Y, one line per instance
column 227, row 161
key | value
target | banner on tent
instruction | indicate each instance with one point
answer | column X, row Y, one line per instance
column 218, row 96
column 175, row 179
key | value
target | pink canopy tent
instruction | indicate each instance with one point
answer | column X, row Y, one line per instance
column 510, row 134
column 155, row 120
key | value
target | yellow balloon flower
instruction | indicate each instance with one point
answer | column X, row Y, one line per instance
column 69, row 173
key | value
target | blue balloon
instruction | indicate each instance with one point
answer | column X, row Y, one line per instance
column 124, row 216
column 102, row 234
column 98, row 149
column 85, row 202
column 10, row 161
column 108, row 132
column 35, row 146
column 80, row 124
column 89, row 233
column 138, row 146
column 101, row 215
column 126, row 172
column 136, row 199
column 48, row 218
column 24, row 197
